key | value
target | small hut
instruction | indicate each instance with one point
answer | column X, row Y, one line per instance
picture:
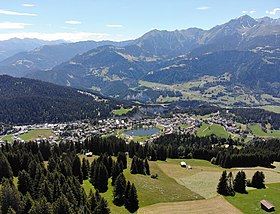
column 183, row 164
column 267, row 206
column 89, row 154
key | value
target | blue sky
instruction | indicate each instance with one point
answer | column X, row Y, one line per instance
column 76, row 20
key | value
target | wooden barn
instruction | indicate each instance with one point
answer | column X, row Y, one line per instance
column 267, row 206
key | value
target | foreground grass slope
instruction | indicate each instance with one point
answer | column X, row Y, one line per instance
column 250, row 203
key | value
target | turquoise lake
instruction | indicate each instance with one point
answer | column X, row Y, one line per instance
column 142, row 131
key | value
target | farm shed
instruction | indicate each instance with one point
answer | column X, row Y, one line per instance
column 89, row 154
column 267, row 206
column 183, row 164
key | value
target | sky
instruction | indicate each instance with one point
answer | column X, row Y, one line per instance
column 119, row 20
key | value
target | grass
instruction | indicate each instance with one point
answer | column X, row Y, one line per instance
column 184, row 126
column 204, row 176
column 217, row 205
column 122, row 111
column 36, row 133
column 257, row 130
column 250, row 203
column 30, row 135
column 207, row 129
column 271, row 108
column 8, row 138
column 150, row 191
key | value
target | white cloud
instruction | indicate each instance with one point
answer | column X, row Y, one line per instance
column 13, row 13
column 74, row 37
column 273, row 11
column 12, row 25
column 114, row 26
column 28, row 5
column 203, row 8
column 72, row 22
column 249, row 11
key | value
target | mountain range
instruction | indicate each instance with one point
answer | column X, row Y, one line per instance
column 27, row 101
column 13, row 46
column 245, row 50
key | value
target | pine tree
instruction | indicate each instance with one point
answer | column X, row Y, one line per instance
column 10, row 197
column 41, row 206
column 222, row 187
column 85, row 168
column 239, row 183
column 92, row 203
column 76, row 169
column 230, row 190
column 119, row 190
column 26, row 203
column 126, row 193
column 101, row 180
column 132, row 204
column 134, row 168
column 102, row 207
column 62, row 206
column 122, row 158
column 258, row 180
column 24, row 182
column 5, row 167
column 52, row 164
column 116, row 170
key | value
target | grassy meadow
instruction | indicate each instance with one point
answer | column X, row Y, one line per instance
column 178, row 188
column 30, row 135
column 250, row 203
column 122, row 111
column 209, row 129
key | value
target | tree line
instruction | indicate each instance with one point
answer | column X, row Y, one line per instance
column 228, row 185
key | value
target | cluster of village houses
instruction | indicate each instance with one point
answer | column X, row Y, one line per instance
column 78, row 131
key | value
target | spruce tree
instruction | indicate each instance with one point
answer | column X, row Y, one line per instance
column 24, row 182
column 41, row 206
column 5, row 167
column 76, row 169
column 230, row 190
column 222, row 187
column 258, row 180
column 119, row 190
column 122, row 158
column 239, row 183
column 101, row 180
column 116, row 170
column 85, row 168
column 102, row 207
column 62, row 206
column 92, row 203
column 132, row 203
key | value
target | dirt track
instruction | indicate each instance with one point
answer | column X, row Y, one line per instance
column 217, row 205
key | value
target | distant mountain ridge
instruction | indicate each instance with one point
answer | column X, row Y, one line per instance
column 13, row 46
column 26, row 101
column 246, row 48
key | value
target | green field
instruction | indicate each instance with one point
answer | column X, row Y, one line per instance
column 271, row 108
column 8, row 138
column 122, row 111
column 36, row 133
column 207, row 129
column 250, row 203
column 257, row 130
column 150, row 191
column 30, row 135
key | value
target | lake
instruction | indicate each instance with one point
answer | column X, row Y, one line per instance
column 142, row 131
